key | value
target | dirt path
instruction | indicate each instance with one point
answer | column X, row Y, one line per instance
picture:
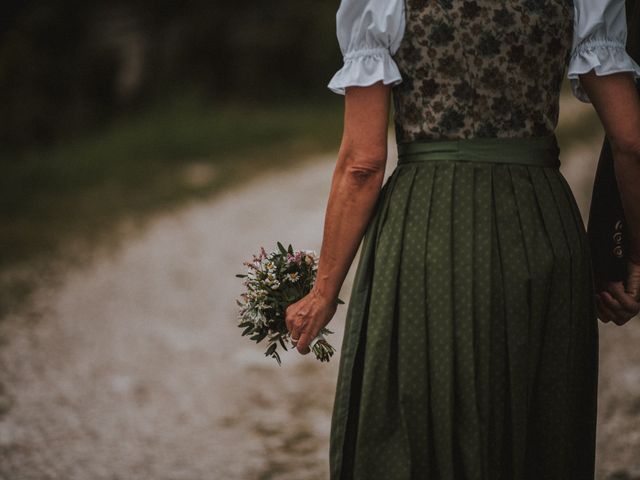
column 133, row 368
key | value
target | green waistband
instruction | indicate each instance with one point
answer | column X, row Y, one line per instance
column 541, row 151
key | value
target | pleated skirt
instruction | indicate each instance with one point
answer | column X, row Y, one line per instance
column 471, row 340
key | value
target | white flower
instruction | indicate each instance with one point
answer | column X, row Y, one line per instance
column 292, row 277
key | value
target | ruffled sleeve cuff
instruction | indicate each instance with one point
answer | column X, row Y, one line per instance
column 605, row 56
column 365, row 67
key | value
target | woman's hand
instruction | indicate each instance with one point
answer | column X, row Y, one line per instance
column 618, row 302
column 306, row 317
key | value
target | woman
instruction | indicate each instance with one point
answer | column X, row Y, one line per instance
column 470, row 349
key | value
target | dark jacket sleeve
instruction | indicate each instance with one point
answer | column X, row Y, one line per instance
column 606, row 227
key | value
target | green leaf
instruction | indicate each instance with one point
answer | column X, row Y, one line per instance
column 258, row 337
column 271, row 349
column 282, row 343
column 281, row 248
column 240, row 275
column 247, row 330
column 290, row 249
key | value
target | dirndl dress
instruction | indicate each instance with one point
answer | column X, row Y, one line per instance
column 470, row 349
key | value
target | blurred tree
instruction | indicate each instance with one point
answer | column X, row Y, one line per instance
column 67, row 65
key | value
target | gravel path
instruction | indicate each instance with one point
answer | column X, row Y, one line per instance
column 132, row 367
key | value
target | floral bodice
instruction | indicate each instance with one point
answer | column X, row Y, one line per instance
column 481, row 68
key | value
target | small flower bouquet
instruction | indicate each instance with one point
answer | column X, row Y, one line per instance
column 274, row 281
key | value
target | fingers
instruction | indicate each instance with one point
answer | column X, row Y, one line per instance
column 611, row 310
column 288, row 317
column 604, row 313
column 300, row 338
column 618, row 315
column 299, row 333
column 615, row 304
column 292, row 323
column 295, row 335
column 621, row 298
column 303, row 343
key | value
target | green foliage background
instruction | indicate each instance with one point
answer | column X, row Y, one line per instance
column 69, row 65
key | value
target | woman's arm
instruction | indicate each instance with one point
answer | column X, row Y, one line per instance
column 617, row 103
column 355, row 187
column 356, row 183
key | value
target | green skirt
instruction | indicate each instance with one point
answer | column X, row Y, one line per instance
column 471, row 341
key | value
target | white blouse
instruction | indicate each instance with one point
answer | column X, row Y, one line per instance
column 369, row 33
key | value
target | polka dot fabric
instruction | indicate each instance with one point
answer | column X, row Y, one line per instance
column 470, row 350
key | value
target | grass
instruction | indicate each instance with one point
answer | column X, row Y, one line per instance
column 65, row 202
column 179, row 150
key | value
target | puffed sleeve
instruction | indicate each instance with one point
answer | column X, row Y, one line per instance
column 599, row 42
column 369, row 32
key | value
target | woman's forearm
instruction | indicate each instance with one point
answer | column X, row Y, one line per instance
column 356, row 184
column 354, row 192
column 617, row 102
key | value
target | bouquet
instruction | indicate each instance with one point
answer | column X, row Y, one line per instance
column 274, row 281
